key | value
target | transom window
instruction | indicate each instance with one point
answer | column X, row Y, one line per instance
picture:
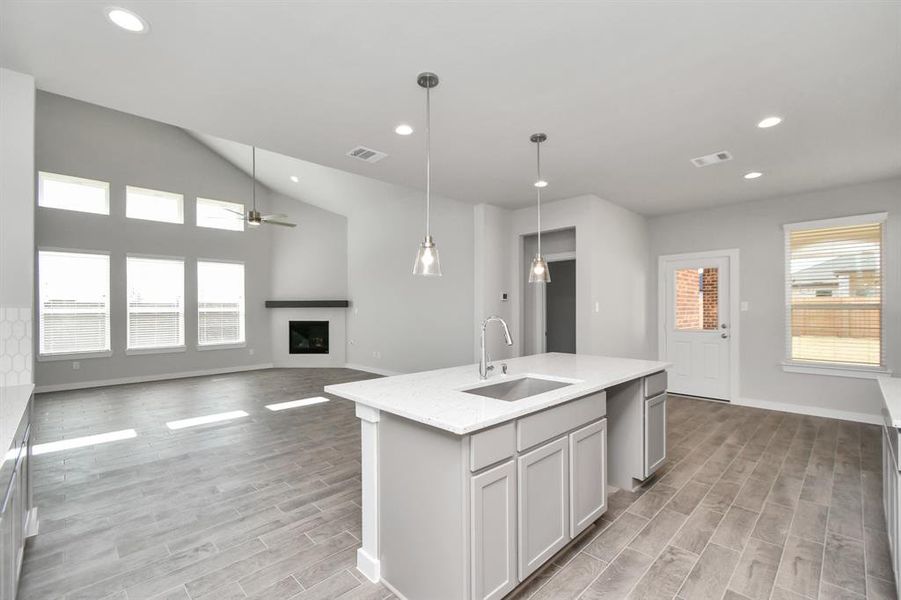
column 73, row 193
column 220, row 303
column 833, row 290
column 156, row 303
column 73, row 303
column 154, row 205
column 219, row 214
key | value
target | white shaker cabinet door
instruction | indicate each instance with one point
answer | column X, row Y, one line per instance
column 654, row 434
column 493, row 532
column 543, row 484
column 587, row 476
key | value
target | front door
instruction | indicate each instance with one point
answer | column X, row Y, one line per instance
column 696, row 325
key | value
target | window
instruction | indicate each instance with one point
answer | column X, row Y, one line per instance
column 833, row 290
column 220, row 303
column 74, row 303
column 73, row 193
column 697, row 299
column 220, row 215
column 156, row 303
column 153, row 205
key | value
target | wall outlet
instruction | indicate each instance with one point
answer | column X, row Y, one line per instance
column 252, row 351
column 376, row 354
column 745, row 306
column 76, row 365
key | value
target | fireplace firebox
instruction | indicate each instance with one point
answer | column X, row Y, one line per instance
column 308, row 337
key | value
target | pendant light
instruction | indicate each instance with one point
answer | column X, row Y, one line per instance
column 539, row 272
column 427, row 263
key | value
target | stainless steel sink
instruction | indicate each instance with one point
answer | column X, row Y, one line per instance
column 517, row 389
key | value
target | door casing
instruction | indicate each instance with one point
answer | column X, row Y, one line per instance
column 732, row 254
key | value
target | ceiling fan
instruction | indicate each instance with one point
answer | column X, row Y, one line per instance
column 254, row 218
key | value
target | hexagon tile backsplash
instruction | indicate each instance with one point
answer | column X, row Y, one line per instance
column 16, row 346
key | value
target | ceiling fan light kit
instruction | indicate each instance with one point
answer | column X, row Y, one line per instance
column 254, row 218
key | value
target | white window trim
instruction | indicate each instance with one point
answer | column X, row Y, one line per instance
column 835, row 369
column 41, row 357
column 226, row 345
column 160, row 350
column 199, row 199
column 73, row 356
column 42, row 175
column 161, row 193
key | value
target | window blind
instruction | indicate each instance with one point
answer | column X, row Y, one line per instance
column 220, row 303
column 73, row 306
column 153, row 205
column 73, row 193
column 156, row 305
column 834, row 293
column 219, row 214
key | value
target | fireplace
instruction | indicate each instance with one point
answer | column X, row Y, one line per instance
column 308, row 337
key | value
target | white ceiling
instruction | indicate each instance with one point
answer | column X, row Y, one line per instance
column 627, row 92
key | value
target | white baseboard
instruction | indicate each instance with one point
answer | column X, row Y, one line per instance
column 815, row 411
column 368, row 566
column 31, row 522
column 80, row 385
column 375, row 370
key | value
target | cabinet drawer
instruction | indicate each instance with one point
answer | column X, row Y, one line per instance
column 655, row 384
column 491, row 446
column 547, row 424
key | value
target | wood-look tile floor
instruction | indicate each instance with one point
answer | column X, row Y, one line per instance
column 750, row 503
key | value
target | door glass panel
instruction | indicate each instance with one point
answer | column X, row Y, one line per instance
column 696, row 299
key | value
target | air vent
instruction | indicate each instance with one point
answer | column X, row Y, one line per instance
column 366, row 154
column 711, row 159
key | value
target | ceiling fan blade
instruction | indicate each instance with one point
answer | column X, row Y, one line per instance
column 264, row 217
column 282, row 223
column 235, row 212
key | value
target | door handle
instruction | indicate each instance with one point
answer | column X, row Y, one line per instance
column 724, row 335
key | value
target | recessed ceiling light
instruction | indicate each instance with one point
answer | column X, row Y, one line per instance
column 753, row 175
column 403, row 129
column 127, row 20
column 541, row 183
column 295, row 178
column 769, row 122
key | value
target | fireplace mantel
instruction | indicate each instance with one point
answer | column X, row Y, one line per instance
column 307, row 303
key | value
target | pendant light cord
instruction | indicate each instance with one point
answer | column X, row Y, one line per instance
column 428, row 160
column 253, row 170
column 538, row 191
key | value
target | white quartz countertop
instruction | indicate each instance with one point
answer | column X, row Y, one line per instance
column 891, row 397
column 435, row 397
column 13, row 401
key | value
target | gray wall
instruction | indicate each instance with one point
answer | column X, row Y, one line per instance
column 398, row 322
column 85, row 140
column 308, row 262
column 17, row 98
column 755, row 228
column 611, row 271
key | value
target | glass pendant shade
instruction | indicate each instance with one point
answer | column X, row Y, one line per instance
column 427, row 262
column 538, row 272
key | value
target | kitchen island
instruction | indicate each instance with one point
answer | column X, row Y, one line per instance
column 469, row 485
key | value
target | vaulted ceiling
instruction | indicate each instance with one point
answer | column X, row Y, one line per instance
column 627, row 92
